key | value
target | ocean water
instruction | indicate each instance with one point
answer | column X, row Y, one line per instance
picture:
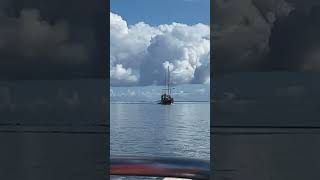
column 141, row 127
column 150, row 129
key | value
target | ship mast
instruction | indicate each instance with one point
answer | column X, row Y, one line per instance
column 165, row 81
column 168, row 81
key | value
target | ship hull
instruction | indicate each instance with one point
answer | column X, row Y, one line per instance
column 166, row 102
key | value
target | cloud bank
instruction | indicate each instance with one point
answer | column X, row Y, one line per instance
column 31, row 37
column 241, row 31
column 36, row 42
column 140, row 53
column 265, row 35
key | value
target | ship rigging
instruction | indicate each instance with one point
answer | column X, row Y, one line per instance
column 166, row 98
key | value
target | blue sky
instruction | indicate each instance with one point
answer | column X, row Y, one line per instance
column 156, row 12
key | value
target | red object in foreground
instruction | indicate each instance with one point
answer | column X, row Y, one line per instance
column 135, row 169
column 160, row 167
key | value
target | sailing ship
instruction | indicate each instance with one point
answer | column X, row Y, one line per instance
column 166, row 98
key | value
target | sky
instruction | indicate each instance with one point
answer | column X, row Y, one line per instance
column 266, row 35
column 47, row 40
column 155, row 12
column 52, row 60
column 266, row 62
column 146, row 38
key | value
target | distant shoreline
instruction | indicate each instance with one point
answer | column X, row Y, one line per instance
column 154, row 102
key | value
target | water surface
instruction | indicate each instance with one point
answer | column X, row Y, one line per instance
column 150, row 129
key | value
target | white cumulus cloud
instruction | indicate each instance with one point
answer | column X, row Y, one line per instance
column 141, row 53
